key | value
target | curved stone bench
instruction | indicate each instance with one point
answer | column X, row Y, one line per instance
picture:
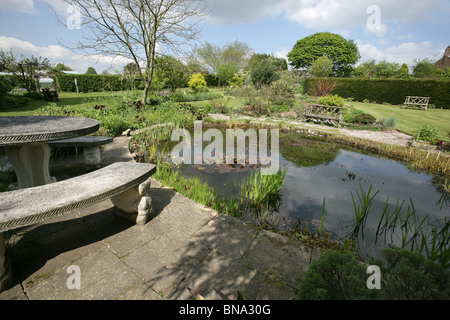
column 126, row 183
column 90, row 144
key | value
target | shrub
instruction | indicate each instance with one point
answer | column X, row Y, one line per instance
column 393, row 91
column 278, row 93
column 409, row 275
column 321, row 87
column 34, row 95
column 264, row 74
column 350, row 113
column 427, row 133
column 197, row 83
column 93, row 83
column 389, row 124
column 364, row 118
column 336, row 276
column 332, row 100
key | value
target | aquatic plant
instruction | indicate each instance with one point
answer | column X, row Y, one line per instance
column 421, row 235
column 262, row 191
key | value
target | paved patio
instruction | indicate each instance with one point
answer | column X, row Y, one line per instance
column 185, row 245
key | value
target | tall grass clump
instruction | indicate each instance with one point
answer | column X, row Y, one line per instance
column 404, row 227
column 195, row 189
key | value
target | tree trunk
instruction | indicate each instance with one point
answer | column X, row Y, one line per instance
column 145, row 93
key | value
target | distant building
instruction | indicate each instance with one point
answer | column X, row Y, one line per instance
column 70, row 72
column 444, row 62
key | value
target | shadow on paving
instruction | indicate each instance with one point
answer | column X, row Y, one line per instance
column 38, row 251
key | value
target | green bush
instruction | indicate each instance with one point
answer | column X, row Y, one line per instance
column 350, row 113
column 278, row 93
column 364, row 118
column 427, row 133
column 393, row 91
column 197, row 83
column 409, row 275
column 336, row 276
column 34, row 95
column 94, row 83
column 389, row 124
column 332, row 100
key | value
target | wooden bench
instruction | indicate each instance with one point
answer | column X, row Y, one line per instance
column 127, row 184
column 90, row 144
column 421, row 102
column 326, row 114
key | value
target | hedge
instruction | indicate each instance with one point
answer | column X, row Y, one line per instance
column 93, row 83
column 393, row 91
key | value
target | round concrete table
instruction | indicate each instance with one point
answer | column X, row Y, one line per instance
column 25, row 140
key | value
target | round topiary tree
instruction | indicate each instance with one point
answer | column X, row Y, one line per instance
column 344, row 53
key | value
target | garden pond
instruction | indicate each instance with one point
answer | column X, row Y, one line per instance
column 326, row 179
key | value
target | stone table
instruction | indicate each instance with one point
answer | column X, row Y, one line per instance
column 25, row 141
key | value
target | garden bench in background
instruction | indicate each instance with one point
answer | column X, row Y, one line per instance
column 127, row 184
column 421, row 102
column 90, row 144
column 326, row 114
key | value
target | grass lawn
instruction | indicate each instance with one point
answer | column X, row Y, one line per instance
column 409, row 121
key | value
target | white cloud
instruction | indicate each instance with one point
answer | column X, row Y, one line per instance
column 25, row 6
column 334, row 15
column 57, row 54
column 404, row 53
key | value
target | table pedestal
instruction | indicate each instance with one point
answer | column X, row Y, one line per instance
column 31, row 163
column 5, row 266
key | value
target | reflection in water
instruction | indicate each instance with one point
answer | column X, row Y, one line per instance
column 320, row 170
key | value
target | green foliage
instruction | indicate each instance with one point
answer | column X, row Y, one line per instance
column 211, row 80
column 403, row 72
column 322, row 67
column 258, row 58
column 91, row 70
column 27, row 71
column 170, row 73
column 264, row 74
column 92, row 83
column 332, row 100
column 195, row 189
column 409, row 275
column 373, row 69
column 344, row 53
column 262, row 192
column 393, row 91
column 197, row 83
column 34, row 95
column 336, row 276
column 279, row 93
column 425, row 68
column 364, row 118
column 389, row 124
column 427, row 133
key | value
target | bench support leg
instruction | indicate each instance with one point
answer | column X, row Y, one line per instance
column 5, row 266
column 135, row 204
column 31, row 163
column 92, row 156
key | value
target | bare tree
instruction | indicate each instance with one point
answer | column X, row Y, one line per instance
column 26, row 70
column 137, row 30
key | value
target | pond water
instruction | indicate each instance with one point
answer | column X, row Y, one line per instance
column 318, row 171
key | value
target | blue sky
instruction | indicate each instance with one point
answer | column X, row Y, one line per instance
column 394, row 30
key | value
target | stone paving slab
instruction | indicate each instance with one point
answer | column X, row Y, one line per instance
column 185, row 245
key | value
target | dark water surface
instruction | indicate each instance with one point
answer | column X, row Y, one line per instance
column 321, row 170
